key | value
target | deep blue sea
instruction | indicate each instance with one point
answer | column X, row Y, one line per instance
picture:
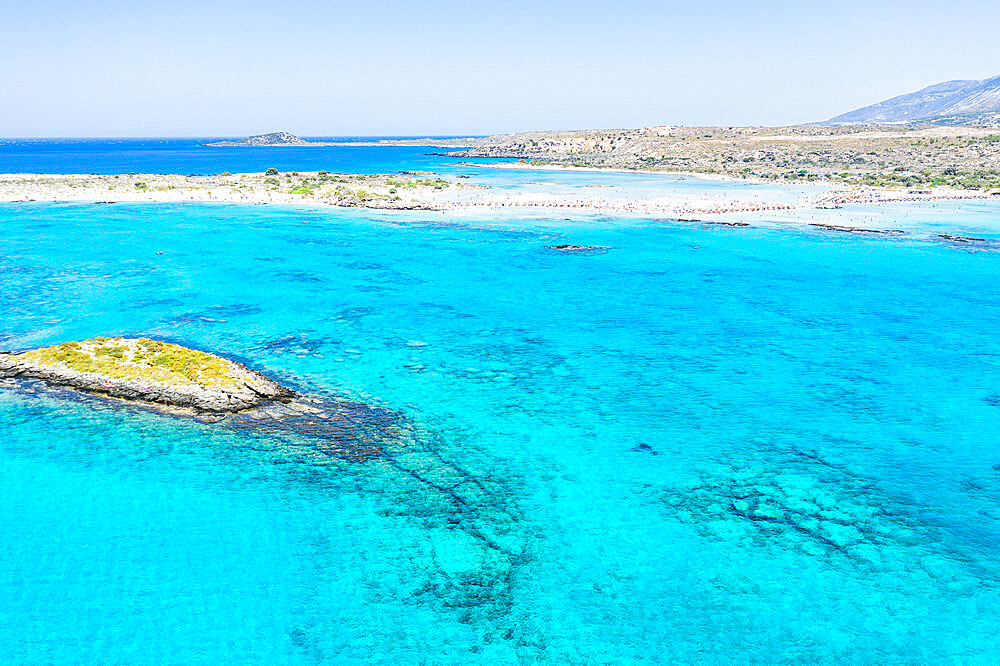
column 704, row 445
column 191, row 156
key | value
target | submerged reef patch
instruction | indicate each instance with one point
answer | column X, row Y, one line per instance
column 962, row 239
column 976, row 243
column 820, row 510
column 579, row 249
column 462, row 532
column 856, row 230
column 724, row 223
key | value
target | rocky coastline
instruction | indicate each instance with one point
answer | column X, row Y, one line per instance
column 955, row 157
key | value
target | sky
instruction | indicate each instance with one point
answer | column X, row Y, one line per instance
column 372, row 67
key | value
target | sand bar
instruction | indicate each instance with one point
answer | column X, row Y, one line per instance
column 429, row 192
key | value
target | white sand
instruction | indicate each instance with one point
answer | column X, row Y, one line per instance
column 377, row 192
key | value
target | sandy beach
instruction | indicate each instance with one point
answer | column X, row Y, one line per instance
column 408, row 192
column 292, row 188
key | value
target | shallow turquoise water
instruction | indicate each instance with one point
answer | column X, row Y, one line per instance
column 704, row 445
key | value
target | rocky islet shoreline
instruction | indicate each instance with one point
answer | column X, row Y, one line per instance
column 149, row 371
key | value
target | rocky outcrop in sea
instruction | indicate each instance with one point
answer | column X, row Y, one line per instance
column 149, row 371
column 473, row 520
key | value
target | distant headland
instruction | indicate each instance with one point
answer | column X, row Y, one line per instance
column 923, row 157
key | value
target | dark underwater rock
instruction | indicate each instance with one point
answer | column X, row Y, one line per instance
column 961, row 239
column 579, row 249
column 856, row 230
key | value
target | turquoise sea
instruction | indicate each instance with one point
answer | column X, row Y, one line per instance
column 770, row 444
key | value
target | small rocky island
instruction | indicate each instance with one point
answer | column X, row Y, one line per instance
column 279, row 139
column 267, row 140
column 183, row 382
column 147, row 370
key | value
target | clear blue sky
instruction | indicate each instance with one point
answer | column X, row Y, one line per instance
column 181, row 68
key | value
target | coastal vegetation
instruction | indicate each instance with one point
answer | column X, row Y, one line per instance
column 138, row 359
column 911, row 157
column 353, row 190
column 986, row 180
column 146, row 370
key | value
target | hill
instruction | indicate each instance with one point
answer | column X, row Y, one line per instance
column 948, row 103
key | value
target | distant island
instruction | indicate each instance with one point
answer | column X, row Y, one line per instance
column 267, row 140
column 288, row 140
